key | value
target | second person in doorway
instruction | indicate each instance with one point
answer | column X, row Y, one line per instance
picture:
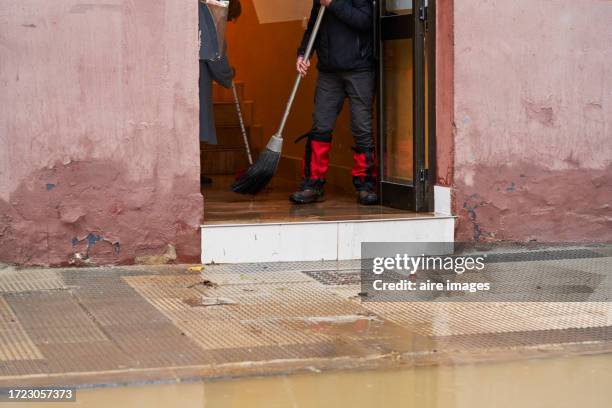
column 214, row 66
column 345, row 52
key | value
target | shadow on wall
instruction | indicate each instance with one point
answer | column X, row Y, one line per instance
column 114, row 221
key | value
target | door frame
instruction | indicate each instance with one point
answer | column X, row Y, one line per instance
column 430, row 52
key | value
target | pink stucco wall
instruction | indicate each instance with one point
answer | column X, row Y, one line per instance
column 99, row 150
column 533, row 117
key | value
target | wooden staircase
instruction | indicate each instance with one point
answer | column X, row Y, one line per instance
column 229, row 155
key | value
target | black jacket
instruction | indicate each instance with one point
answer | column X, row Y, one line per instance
column 345, row 40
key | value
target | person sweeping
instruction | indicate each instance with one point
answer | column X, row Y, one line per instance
column 345, row 51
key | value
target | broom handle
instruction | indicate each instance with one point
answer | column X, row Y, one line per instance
column 311, row 41
column 242, row 128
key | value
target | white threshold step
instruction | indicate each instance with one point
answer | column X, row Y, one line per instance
column 317, row 240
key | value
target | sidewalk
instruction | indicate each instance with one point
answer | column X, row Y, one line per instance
column 142, row 324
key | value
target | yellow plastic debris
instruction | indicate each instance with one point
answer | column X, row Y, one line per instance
column 196, row 269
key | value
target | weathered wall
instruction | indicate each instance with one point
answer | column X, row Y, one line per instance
column 99, row 151
column 533, row 115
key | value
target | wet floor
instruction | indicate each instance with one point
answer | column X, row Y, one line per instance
column 272, row 205
column 127, row 325
column 552, row 382
column 300, row 334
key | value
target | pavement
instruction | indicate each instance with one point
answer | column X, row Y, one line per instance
column 148, row 324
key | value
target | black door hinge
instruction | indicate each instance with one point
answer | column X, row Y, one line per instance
column 423, row 175
column 423, row 10
column 423, row 13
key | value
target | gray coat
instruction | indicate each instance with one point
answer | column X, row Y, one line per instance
column 214, row 66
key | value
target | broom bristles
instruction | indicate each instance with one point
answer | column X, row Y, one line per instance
column 259, row 174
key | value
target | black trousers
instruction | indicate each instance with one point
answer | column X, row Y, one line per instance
column 332, row 90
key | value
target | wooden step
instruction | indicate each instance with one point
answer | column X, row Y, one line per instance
column 231, row 136
column 229, row 155
column 256, row 137
column 226, row 115
column 221, row 94
column 223, row 160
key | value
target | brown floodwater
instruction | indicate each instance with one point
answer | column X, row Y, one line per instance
column 571, row 382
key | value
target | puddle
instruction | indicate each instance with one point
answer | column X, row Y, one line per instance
column 373, row 330
column 565, row 382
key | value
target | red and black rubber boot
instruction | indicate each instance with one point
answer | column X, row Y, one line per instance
column 365, row 175
column 314, row 169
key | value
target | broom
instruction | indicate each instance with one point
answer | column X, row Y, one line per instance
column 259, row 174
column 245, row 138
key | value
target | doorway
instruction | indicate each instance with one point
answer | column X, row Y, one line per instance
column 263, row 49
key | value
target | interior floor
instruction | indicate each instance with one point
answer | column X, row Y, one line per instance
column 222, row 206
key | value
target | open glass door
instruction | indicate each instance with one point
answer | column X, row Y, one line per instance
column 403, row 105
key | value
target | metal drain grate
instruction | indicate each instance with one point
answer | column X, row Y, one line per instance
column 335, row 278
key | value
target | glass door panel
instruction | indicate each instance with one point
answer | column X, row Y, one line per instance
column 397, row 106
column 399, row 6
